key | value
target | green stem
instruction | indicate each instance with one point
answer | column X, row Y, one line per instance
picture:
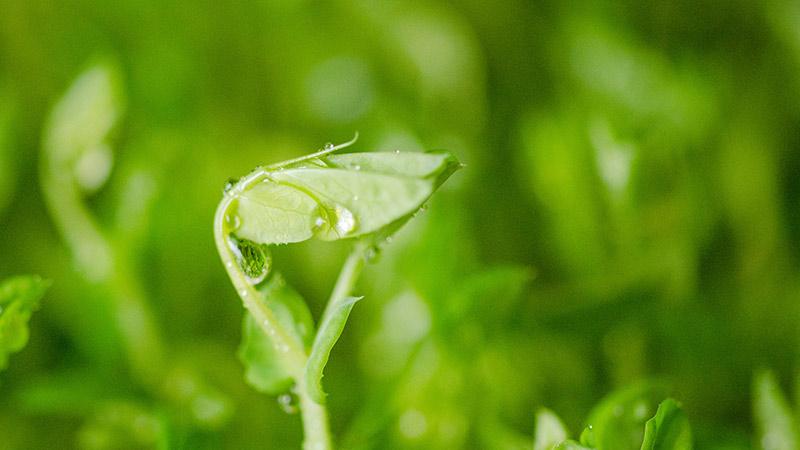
column 293, row 353
column 315, row 416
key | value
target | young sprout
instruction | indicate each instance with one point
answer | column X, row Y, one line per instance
column 359, row 197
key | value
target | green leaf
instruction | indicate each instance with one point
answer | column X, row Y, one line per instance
column 617, row 422
column 329, row 332
column 774, row 421
column 549, row 430
column 265, row 368
column 272, row 213
column 19, row 297
column 407, row 164
column 335, row 197
column 668, row 429
column 355, row 202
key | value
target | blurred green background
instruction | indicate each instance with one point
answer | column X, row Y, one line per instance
column 629, row 210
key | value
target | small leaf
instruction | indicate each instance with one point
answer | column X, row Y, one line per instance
column 329, row 332
column 549, row 430
column 617, row 422
column 668, row 429
column 265, row 369
column 19, row 297
column 775, row 423
column 272, row 213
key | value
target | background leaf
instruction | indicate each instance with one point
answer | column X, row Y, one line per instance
column 19, row 297
column 550, row 431
column 668, row 429
column 775, row 422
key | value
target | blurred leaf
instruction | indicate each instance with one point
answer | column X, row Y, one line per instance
column 76, row 132
column 618, row 421
column 19, row 297
column 775, row 424
column 668, row 430
column 571, row 445
column 549, row 430
column 265, row 369
column 329, row 332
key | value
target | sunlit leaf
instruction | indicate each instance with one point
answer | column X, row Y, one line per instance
column 272, row 213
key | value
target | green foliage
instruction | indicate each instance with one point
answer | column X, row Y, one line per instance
column 19, row 297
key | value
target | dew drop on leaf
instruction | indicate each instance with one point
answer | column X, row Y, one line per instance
column 328, row 146
column 345, row 221
column 254, row 259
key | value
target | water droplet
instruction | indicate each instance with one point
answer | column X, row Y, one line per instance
column 389, row 239
column 397, row 152
column 288, row 403
column 319, row 222
column 356, row 167
column 328, row 146
column 233, row 221
column 254, row 259
column 345, row 220
column 230, row 184
column 282, row 348
column 243, row 292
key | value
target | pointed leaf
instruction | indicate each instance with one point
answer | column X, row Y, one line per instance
column 265, row 369
column 329, row 331
column 549, row 430
column 775, row 423
column 407, row 164
column 19, row 297
column 668, row 429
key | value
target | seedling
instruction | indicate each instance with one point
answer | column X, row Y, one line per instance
column 359, row 197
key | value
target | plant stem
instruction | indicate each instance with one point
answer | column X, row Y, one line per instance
column 316, row 432
column 315, row 415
